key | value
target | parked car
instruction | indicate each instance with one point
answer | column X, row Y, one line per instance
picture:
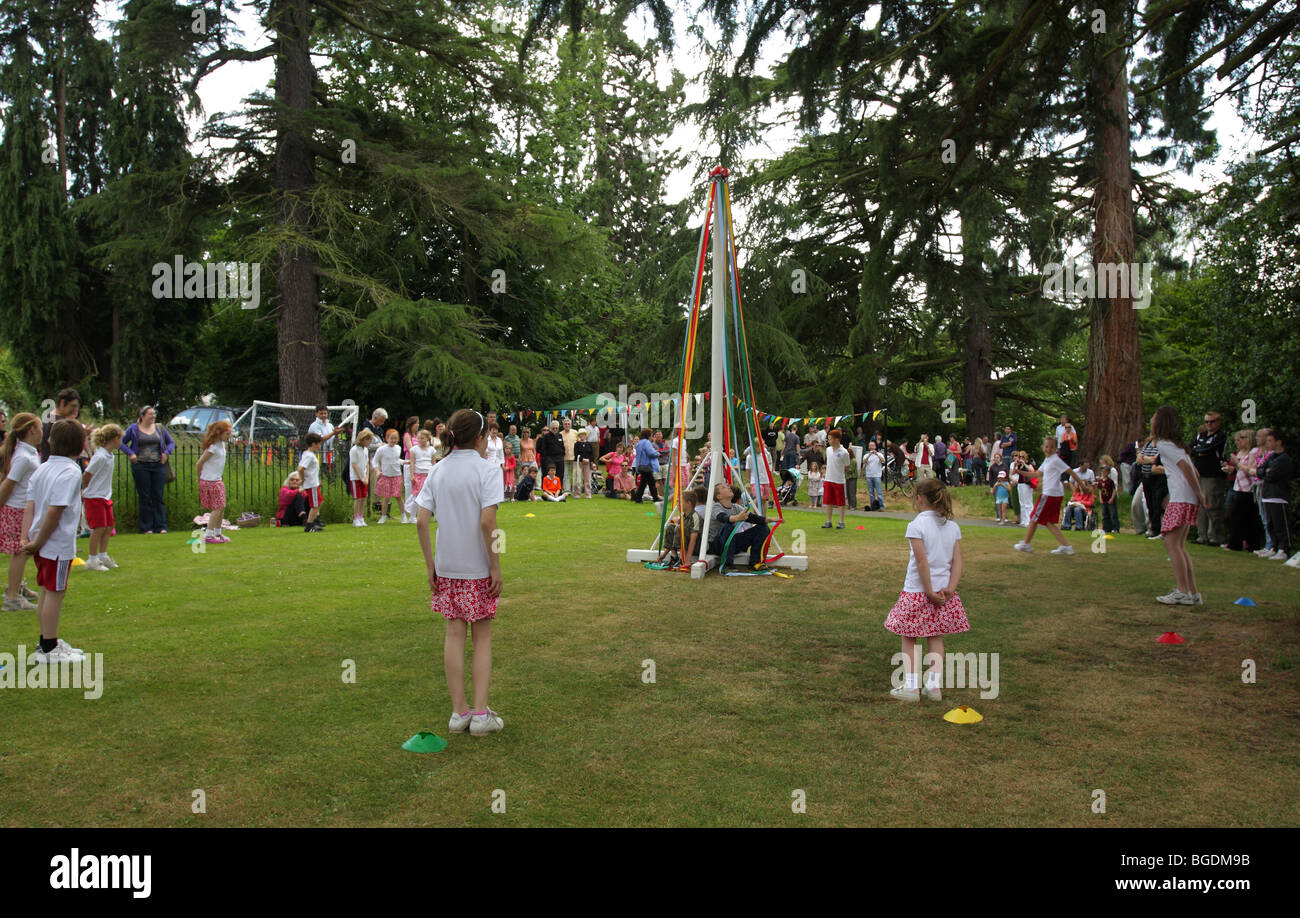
column 272, row 423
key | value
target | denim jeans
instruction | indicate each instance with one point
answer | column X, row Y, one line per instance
column 875, row 493
column 149, row 480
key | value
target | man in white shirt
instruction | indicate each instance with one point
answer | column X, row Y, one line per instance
column 593, row 436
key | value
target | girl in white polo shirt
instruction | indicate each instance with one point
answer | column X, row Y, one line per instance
column 462, row 493
column 212, row 488
column 388, row 460
column 97, row 495
column 1185, row 501
column 54, row 502
column 928, row 606
column 18, row 460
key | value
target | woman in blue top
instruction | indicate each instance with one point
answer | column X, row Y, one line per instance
column 150, row 446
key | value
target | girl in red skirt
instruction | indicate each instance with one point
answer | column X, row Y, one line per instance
column 462, row 493
column 212, row 487
column 928, row 606
column 1186, row 498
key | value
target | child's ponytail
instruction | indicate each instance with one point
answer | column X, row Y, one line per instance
column 463, row 429
column 936, row 495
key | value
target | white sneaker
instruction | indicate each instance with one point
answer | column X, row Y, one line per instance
column 1063, row 550
column 94, row 564
column 1151, row 538
column 483, row 724
column 18, row 604
column 1023, row 546
column 108, row 562
column 382, row 520
column 356, row 522
column 61, row 653
column 1191, row 599
column 460, row 723
column 902, row 693
column 1173, row 599
column 1279, row 555
column 405, row 519
column 932, row 694
column 1264, row 553
column 26, row 593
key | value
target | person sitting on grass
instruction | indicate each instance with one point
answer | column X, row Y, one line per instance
column 552, row 488
column 686, row 536
column 748, row 530
column 292, row 509
column 525, row 488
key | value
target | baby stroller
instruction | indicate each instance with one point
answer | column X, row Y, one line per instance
column 786, row 494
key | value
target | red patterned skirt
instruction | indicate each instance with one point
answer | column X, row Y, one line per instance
column 11, row 530
column 389, row 486
column 1178, row 514
column 212, row 494
column 915, row 616
column 466, row 600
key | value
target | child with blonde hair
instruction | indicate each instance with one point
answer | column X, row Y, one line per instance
column 928, row 605
column 359, row 475
column 814, row 484
column 212, row 488
column 97, row 495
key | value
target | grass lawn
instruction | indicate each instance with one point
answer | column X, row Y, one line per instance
column 223, row 673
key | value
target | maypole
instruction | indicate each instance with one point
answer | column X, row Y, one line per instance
column 722, row 389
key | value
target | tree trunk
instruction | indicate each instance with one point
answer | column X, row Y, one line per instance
column 299, row 346
column 977, row 365
column 114, row 363
column 1114, row 412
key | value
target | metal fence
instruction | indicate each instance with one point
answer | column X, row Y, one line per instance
column 253, row 475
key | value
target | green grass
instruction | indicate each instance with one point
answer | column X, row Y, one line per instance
column 223, row 673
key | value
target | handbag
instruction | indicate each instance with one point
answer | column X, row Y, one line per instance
column 168, row 465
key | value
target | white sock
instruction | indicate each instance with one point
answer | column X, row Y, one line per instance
column 909, row 681
column 933, row 679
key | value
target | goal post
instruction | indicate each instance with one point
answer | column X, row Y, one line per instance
column 288, row 425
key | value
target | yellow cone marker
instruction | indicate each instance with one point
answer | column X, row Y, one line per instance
column 963, row 714
column 529, row 516
column 78, row 562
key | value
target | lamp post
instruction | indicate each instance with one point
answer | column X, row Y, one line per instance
column 884, row 407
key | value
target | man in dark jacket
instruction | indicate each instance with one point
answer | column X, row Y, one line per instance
column 550, row 449
column 1207, row 455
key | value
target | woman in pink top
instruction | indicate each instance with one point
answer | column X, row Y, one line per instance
column 1243, row 517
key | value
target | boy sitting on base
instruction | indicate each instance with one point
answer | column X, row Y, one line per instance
column 687, row 536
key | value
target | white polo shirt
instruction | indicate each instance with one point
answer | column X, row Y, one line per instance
column 457, row 491
column 326, row 431
column 216, row 464
column 1052, row 469
column 421, row 459
column 310, row 466
column 388, row 459
column 25, row 461
column 57, row 483
column 938, row 534
column 100, row 468
column 1181, row 490
column 359, row 458
column 836, row 460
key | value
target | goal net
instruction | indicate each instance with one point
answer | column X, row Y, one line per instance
column 288, row 425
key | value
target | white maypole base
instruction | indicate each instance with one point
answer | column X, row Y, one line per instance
column 710, row 562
